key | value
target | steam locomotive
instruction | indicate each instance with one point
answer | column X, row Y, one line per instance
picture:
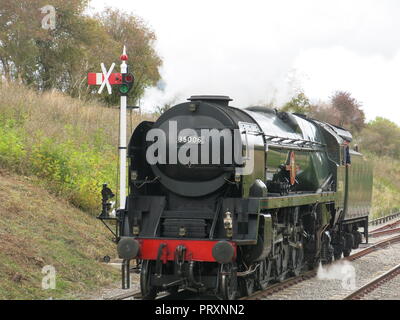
column 226, row 200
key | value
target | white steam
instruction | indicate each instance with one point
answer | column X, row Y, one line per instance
column 341, row 270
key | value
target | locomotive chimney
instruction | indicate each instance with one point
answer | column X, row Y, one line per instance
column 221, row 100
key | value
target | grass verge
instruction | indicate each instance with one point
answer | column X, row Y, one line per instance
column 39, row 229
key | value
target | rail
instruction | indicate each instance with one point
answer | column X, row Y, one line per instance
column 384, row 232
column 384, row 219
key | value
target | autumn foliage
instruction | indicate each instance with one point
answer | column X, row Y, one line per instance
column 60, row 58
column 380, row 136
column 343, row 111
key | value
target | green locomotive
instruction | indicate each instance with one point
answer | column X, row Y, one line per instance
column 298, row 195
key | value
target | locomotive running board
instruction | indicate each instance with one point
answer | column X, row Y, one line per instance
column 297, row 200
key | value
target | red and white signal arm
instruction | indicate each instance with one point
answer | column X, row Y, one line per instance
column 96, row 79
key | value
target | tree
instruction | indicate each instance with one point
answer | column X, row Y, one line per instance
column 61, row 58
column 17, row 47
column 159, row 110
column 64, row 51
column 349, row 111
column 139, row 40
column 298, row 104
column 325, row 112
column 35, row 56
column 382, row 137
column 343, row 111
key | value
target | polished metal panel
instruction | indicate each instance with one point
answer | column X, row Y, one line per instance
column 299, row 135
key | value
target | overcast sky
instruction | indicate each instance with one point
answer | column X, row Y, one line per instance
column 258, row 51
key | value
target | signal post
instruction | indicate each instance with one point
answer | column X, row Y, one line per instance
column 125, row 81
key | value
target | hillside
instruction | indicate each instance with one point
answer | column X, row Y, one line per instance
column 38, row 229
column 71, row 145
column 386, row 193
column 55, row 153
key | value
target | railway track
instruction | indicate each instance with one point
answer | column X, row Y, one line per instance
column 387, row 226
column 384, row 219
column 310, row 274
column 383, row 232
column 136, row 295
column 375, row 283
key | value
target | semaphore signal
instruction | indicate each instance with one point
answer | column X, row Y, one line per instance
column 125, row 81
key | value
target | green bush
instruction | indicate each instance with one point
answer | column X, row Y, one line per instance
column 72, row 158
column 12, row 148
column 73, row 171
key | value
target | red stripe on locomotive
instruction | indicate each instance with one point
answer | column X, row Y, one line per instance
column 196, row 250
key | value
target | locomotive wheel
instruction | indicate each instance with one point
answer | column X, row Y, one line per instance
column 296, row 263
column 247, row 285
column 337, row 252
column 148, row 292
column 348, row 244
column 313, row 263
column 282, row 262
column 297, row 255
column 263, row 275
column 326, row 253
column 338, row 256
column 173, row 290
column 338, row 248
column 357, row 239
column 228, row 283
column 278, row 266
column 228, row 287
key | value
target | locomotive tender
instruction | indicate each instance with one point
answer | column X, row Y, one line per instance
column 220, row 228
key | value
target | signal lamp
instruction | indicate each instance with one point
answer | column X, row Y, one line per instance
column 123, row 88
column 127, row 83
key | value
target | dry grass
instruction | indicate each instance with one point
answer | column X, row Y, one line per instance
column 38, row 229
column 58, row 116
